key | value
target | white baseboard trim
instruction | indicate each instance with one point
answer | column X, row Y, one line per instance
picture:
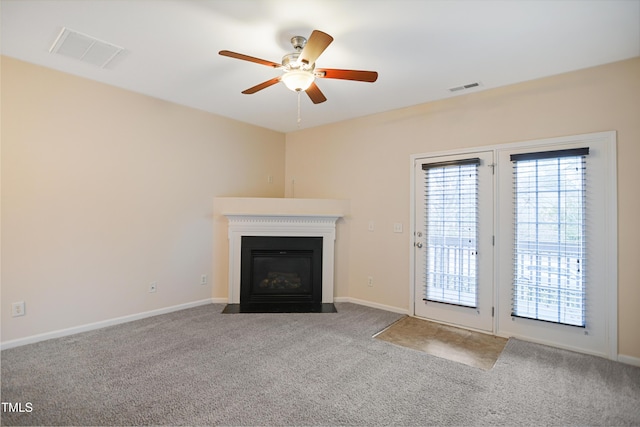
column 103, row 324
column 372, row 304
column 629, row 360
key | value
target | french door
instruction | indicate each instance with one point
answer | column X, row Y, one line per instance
column 453, row 239
column 520, row 240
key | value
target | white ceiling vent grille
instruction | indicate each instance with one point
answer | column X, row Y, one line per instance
column 465, row 87
column 85, row 48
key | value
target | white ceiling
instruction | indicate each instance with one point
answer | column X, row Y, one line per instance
column 420, row 48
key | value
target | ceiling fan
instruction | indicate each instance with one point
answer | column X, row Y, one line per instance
column 300, row 67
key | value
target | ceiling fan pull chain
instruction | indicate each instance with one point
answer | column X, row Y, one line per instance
column 299, row 119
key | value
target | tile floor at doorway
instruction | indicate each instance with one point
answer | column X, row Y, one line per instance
column 448, row 342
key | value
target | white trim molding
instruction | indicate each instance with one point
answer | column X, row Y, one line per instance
column 629, row 360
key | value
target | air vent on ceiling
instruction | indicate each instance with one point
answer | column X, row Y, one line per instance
column 465, row 87
column 85, row 48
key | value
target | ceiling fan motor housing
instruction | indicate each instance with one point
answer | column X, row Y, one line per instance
column 298, row 42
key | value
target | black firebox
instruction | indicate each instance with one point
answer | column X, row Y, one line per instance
column 281, row 269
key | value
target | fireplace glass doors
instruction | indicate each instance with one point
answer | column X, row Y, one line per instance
column 276, row 270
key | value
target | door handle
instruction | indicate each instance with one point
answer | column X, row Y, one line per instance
column 419, row 244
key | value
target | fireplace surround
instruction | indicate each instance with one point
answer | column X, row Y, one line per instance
column 249, row 217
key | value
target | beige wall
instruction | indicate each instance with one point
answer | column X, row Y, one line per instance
column 367, row 161
column 105, row 191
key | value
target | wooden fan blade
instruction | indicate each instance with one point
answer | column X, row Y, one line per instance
column 315, row 94
column 249, row 58
column 261, row 86
column 316, row 44
column 358, row 75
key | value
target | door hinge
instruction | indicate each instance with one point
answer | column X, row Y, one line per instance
column 493, row 312
column 493, row 240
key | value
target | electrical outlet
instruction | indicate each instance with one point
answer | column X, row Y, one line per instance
column 371, row 225
column 203, row 279
column 17, row 309
column 397, row 227
column 153, row 287
column 370, row 281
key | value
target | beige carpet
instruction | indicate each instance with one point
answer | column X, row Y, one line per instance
column 199, row 367
column 460, row 345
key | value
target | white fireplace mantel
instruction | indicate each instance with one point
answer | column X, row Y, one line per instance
column 285, row 225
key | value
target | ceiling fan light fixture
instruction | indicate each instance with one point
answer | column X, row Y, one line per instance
column 298, row 80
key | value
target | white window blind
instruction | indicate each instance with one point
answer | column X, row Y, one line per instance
column 550, row 236
column 451, row 232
